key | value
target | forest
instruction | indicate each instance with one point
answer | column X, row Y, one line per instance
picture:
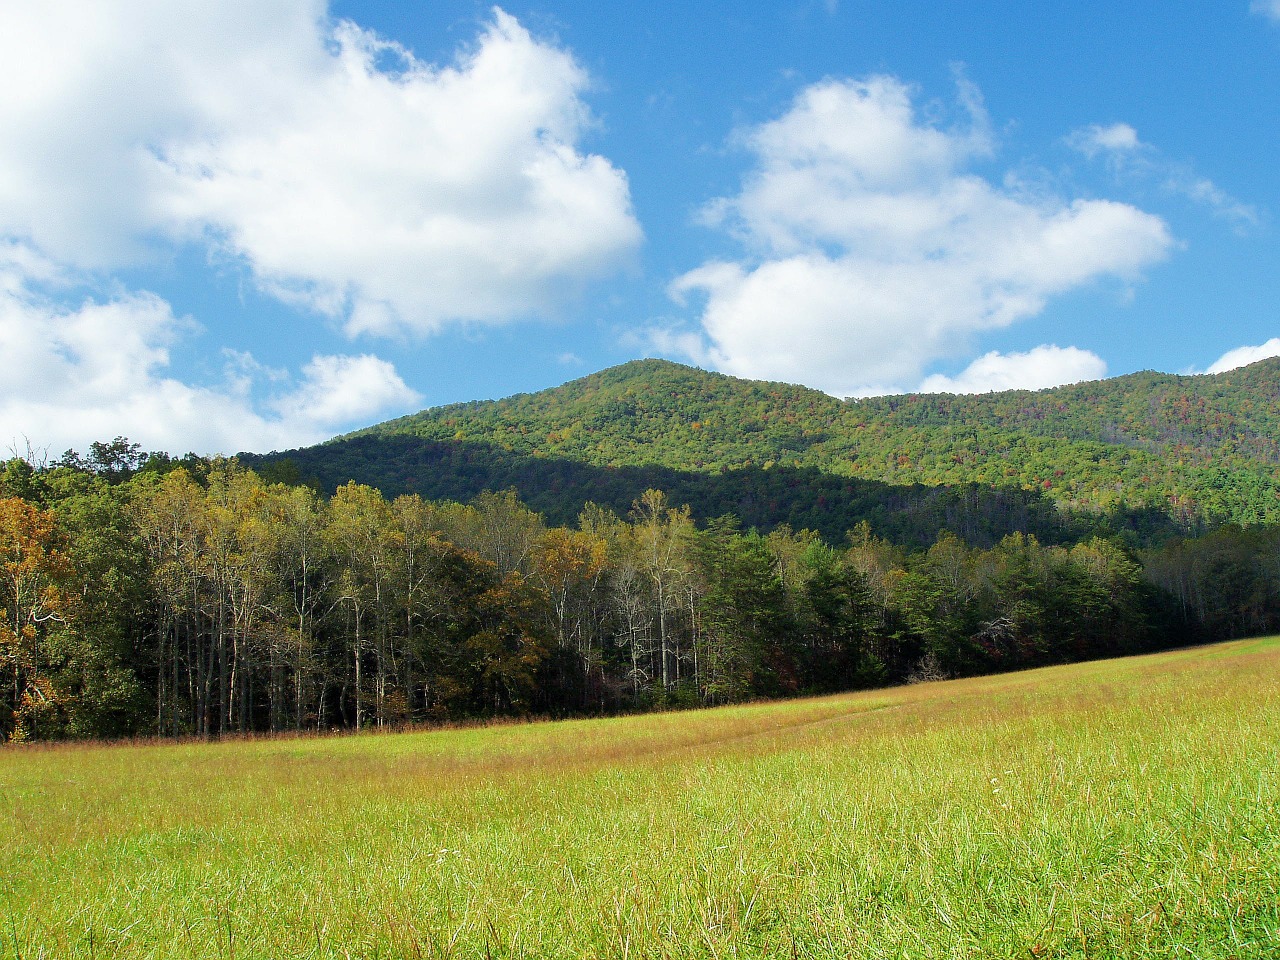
column 145, row 595
column 1163, row 453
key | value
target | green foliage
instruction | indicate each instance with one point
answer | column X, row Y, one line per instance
column 836, row 623
column 215, row 602
column 1201, row 449
column 745, row 619
column 798, row 497
column 1150, row 456
column 104, row 695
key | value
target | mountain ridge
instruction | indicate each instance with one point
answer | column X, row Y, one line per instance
column 1202, row 449
column 908, row 408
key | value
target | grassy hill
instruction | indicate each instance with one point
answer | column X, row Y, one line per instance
column 1148, row 451
column 1124, row 808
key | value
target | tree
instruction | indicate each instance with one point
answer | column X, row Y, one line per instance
column 1108, row 600
column 508, row 531
column 506, row 642
column 936, row 598
column 304, row 578
column 36, row 595
column 747, row 630
column 663, row 537
column 20, row 479
column 116, row 461
column 100, row 652
column 169, row 511
column 837, row 623
column 363, row 534
column 569, row 567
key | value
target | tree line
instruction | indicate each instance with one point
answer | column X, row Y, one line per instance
column 1200, row 450
column 910, row 514
column 144, row 595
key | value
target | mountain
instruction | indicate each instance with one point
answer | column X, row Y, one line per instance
column 1150, row 453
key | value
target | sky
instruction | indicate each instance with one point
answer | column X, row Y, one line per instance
column 257, row 224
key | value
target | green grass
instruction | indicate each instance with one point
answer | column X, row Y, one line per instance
column 1126, row 808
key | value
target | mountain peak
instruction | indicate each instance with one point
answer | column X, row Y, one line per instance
column 1186, row 447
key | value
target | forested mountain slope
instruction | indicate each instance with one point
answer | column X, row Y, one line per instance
column 1148, row 450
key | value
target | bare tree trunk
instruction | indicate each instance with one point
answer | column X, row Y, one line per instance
column 162, row 671
column 662, row 634
column 357, row 646
column 224, row 674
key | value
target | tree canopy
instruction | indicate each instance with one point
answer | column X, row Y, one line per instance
column 199, row 598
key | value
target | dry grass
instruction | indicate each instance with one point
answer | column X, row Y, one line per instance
column 1122, row 808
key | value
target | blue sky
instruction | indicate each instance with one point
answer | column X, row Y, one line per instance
column 253, row 225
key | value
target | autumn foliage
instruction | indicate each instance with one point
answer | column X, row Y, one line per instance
column 36, row 594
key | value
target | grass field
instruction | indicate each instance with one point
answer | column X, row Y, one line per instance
column 1127, row 808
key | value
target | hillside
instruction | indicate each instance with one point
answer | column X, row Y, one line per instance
column 1146, row 451
column 1124, row 808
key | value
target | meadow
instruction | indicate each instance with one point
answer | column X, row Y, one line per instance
column 1123, row 808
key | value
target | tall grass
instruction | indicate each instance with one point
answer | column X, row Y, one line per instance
column 1127, row 808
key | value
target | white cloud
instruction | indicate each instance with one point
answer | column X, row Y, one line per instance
column 1208, row 194
column 1242, row 356
column 343, row 389
column 871, row 249
column 1130, row 157
column 1095, row 139
column 97, row 370
column 1041, row 367
column 348, row 175
column 1268, row 8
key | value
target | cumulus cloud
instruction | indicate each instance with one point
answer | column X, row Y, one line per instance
column 872, row 249
column 1041, row 367
column 348, row 175
column 1242, row 356
column 98, row 370
column 342, row 389
column 1129, row 157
